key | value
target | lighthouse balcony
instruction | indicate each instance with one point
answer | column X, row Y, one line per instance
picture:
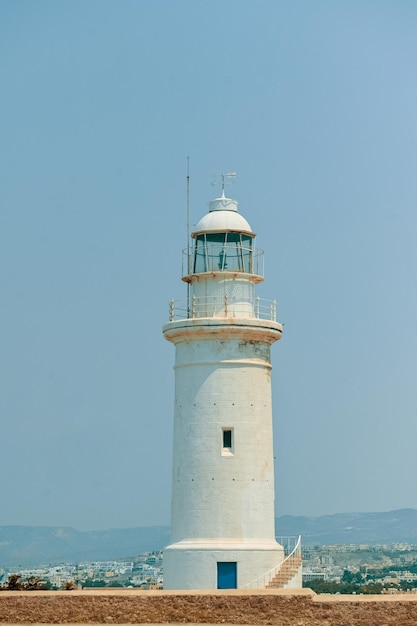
column 223, row 252
column 224, row 306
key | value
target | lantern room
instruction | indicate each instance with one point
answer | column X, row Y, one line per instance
column 223, row 242
column 224, row 265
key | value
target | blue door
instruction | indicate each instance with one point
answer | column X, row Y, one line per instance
column 226, row 576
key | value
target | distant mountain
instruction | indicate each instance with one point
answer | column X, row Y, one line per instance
column 371, row 528
column 36, row 545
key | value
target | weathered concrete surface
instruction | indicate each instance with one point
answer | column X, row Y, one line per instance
column 280, row 607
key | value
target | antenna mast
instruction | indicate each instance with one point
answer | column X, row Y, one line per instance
column 188, row 235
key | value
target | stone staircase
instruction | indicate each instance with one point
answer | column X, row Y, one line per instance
column 282, row 575
column 286, row 572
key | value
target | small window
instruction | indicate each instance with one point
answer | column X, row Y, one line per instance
column 227, row 439
column 227, row 442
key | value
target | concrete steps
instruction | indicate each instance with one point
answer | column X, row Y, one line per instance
column 286, row 572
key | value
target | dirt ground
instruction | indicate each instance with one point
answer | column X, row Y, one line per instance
column 281, row 608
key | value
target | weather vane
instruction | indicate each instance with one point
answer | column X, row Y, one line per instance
column 223, row 181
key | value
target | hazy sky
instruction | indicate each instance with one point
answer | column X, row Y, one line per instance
column 314, row 105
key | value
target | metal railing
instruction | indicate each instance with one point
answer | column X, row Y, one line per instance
column 263, row 581
column 223, row 307
column 230, row 258
column 288, row 543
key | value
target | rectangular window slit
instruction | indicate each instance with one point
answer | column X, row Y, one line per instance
column 227, row 438
column 228, row 444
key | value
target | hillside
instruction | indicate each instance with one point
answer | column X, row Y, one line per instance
column 33, row 545
column 372, row 528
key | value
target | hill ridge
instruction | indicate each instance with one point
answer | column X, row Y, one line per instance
column 35, row 545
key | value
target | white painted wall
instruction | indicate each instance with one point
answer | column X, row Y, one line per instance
column 222, row 503
column 195, row 566
column 225, row 293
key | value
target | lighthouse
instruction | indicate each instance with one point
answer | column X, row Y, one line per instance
column 223, row 522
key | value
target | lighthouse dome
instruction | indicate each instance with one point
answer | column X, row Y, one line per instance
column 223, row 217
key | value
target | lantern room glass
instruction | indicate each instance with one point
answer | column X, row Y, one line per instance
column 231, row 252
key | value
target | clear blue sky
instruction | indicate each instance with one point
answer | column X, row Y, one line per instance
column 314, row 104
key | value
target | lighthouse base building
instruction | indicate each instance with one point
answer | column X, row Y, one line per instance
column 223, row 526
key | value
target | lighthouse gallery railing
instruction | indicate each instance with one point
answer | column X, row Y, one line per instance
column 224, row 306
column 214, row 257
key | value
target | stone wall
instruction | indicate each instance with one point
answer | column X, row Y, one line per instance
column 281, row 608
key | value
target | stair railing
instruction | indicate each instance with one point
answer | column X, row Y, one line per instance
column 263, row 581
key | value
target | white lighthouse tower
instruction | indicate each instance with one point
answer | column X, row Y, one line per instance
column 223, row 531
